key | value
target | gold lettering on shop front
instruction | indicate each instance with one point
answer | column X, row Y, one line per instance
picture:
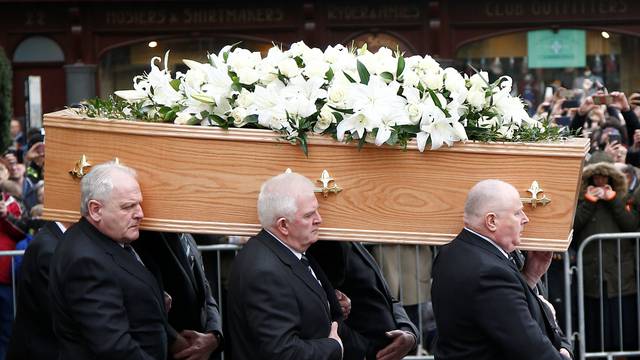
column 496, row 9
column 190, row 16
column 232, row 16
column 363, row 12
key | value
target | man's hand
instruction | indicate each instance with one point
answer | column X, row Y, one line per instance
column 345, row 303
column 636, row 140
column 617, row 151
column 333, row 334
column 401, row 343
column 35, row 153
column 564, row 352
column 586, row 105
column 200, row 345
column 536, row 265
column 619, row 100
column 179, row 344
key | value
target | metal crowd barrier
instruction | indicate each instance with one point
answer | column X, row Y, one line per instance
column 620, row 312
column 217, row 257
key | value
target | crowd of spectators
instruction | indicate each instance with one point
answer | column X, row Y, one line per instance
column 608, row 202
column 22, row 191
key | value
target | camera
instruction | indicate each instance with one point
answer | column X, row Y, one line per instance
column 605, row 99
column 614, row 138
column 570, row 104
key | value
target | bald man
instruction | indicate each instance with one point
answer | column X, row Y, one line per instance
column 485, row 308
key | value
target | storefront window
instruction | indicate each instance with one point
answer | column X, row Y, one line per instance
column 118, row 66
column 610, row 61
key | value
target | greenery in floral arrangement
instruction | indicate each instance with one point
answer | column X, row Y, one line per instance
column 350, row 94
column 5, row 101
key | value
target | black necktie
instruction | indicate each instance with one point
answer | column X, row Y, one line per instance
column 133, row 253
column 187, row 249
column 305, row 261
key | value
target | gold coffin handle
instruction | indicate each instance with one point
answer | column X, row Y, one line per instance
column 80, row 169
column 535, row 199
column 329, row 184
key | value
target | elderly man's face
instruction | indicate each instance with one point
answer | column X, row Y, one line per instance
column 304, row 229
column 120, row 215
column 510, row 222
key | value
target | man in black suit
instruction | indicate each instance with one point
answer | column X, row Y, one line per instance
column 281, row 305
column 386, row 331
column 177, row 264
column 32, row 337
column 105, row 303
column 484, row 307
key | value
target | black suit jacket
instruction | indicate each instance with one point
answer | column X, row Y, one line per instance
column 193, row 306
column 32, row 337
column 105, row 303
column 484, row 308
column 277, row 309
column 352, row 270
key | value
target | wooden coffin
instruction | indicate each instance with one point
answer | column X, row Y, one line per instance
column 206, row 180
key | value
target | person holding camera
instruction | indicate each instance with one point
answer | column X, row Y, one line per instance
column 616, row 102
column 602, row 208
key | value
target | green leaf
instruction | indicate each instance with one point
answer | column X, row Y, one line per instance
column 329, row 75
column 251, row 119
column 303, row 144
column 299, row 61
column 344, row 111
column 435, row 98
column 170, row 116
column 348, row 77
column 175, row 84
column 387, row 76
column 363, row 73
column 236, row 86
column 362, row 140
column 393, row 139
column 220, row 121
column 193, row 121
column 400, row 67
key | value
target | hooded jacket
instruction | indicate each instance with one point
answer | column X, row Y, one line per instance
column 606, row 217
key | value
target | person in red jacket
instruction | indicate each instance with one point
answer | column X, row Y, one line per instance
column 10, row 233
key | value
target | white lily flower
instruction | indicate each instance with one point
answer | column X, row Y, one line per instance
column 355, row 124
column 480, row 80
column 476, row 97
column 310, row 89
column 288, row 67
column 132, row 96
column 455, row 83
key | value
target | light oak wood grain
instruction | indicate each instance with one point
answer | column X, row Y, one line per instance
column 206, row 180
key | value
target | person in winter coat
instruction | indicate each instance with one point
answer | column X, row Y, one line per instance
column 604, row 206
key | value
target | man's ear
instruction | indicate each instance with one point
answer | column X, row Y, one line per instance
column 491, row 221
column 95, row 210
column 282, row 226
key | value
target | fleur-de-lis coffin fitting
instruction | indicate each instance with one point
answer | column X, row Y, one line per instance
column 80, row 169
column 326, row 179
column 534, row 200
column 326, row 188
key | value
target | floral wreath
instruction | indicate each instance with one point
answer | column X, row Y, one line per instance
column 351, row 94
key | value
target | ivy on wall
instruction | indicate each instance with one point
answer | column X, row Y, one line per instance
column 5, row 101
